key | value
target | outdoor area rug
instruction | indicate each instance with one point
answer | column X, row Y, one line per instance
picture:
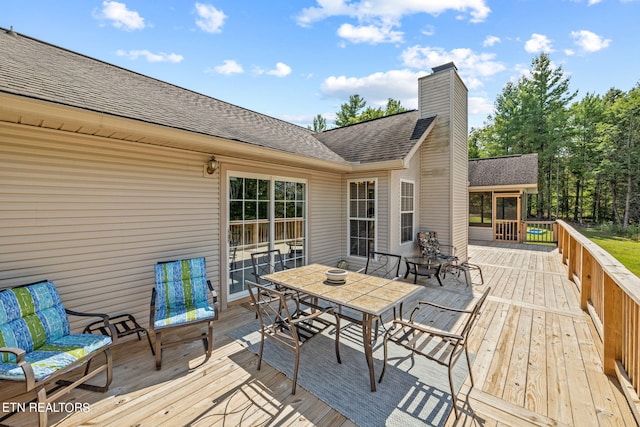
column 413, row 390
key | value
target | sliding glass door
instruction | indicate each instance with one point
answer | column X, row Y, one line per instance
column 265, row 212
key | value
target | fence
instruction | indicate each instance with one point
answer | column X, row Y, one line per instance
column 540, row 232
column 611, row 295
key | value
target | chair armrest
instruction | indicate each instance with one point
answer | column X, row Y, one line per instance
column 105, row 320
column 214, row 294
column 426, row 330
column 23, row 364
column 443, row 307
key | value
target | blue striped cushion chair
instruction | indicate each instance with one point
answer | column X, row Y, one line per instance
column 179, row 298
column 36, row 345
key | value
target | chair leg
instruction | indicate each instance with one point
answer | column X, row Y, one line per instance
column 210, row 333
column 261, row 350
column 338, row 340
column 42, row 402
column 158, row 350
column 384, row 363
column 466, row 353
column 454, row 400
column 295, row 370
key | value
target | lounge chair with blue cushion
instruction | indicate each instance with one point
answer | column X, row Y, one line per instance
column 37, row 346
column 179, row 299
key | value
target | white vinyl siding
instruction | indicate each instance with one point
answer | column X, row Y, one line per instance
column 95, row 215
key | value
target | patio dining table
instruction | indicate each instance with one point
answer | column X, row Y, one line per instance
column 368, row 295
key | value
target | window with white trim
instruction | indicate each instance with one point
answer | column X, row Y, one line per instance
column 362, row 216
column 406, row 211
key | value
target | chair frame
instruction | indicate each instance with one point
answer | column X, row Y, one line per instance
column 64, row 386
column 275, row 259
column 451, row 345
column 206, row 337
column 382, row 262
column 291, row 329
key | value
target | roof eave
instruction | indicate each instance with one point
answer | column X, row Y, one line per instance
column 511, row 187
column 22, row 110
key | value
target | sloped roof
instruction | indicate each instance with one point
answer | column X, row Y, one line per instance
column 38, row 70
column 41, row 71
column 519, row 169
column 386, row 138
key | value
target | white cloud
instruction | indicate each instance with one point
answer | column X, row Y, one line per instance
column 491, row 41
column 589, row 42
column 538, row 43
column 472, row 66
column 211, row 19
column 229, row 67
column 369, row 34
column 151, row 57
column 480, row 105
column 120, row 16
column 376, row 88
column 281, row 70
column 390, row 10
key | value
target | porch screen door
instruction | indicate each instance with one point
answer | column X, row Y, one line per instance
column 264, row 213
column 507, row 213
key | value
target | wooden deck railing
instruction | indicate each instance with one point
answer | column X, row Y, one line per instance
column 611, row 295
column 539, row 232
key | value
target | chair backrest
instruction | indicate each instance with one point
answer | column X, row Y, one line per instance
column 428, row 243
column 383, row 264
column 475, row 312
column 266, row 262
column 273, row 313
column 29, row 316
column 181, row 284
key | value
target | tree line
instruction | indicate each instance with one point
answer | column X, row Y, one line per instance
column 588, row 150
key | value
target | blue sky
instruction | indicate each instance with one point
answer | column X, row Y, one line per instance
column 294, row 59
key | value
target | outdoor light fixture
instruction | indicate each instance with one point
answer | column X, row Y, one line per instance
column 212, row 165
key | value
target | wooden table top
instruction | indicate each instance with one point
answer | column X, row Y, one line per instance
column 368, row 294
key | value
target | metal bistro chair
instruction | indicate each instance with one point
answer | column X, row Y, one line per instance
column 442, row 346
column 267, row 262
column 431, row 247
column 386, row 265
column 289, row 329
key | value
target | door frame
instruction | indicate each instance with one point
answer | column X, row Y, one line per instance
column 512, row 227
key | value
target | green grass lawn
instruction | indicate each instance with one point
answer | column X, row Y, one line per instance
column 625, row 250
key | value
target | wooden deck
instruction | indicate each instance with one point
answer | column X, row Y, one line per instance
column 536, row 363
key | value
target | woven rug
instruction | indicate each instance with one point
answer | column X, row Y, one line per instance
column 414, row 391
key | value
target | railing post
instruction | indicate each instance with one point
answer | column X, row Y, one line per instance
column 585, row 279
column 612, row 322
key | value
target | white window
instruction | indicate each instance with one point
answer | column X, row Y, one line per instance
column 362, row 216
column 406, row 211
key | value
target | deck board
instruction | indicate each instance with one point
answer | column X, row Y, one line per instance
column 537, row 362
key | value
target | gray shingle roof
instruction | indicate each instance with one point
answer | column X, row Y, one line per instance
column 387, row 138
column 32, row 68
column 519, row 169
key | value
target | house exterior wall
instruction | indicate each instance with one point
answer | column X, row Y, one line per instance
column 444, row 159
column 95, row 215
